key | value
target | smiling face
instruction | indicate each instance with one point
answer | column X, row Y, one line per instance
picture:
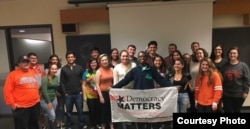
column 131, row 51
column 24, row 65
column 33, row 60
column 142, row 58
column 93, row 64
column 217, row 51
column 104, row 62
column 233, row 55
column 94, row 54
column 178, row 65
column 204, row 66
column 124, row 57
column 54, row 60
column 152, row 49
column 71, row 59
column 194, row 47
column 52, row 69
column 176, row 56
column 114, row 54
column 199, row 54
column 157, row 62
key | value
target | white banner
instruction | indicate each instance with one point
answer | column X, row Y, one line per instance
column 151, row 105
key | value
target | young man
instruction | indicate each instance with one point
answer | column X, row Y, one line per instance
column 171, row 48
column 194, row 47
column 131, row 49
column 70, row 80
column 22, row 95
column 151, row 52
column 39, row 72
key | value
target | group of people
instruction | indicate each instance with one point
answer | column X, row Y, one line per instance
column 204, row 84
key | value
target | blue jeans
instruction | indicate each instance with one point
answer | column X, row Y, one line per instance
column 70, row 101
column 51, row 113
column 183, row 102
column 60, row 108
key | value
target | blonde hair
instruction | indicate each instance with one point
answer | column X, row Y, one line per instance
column 101, row 56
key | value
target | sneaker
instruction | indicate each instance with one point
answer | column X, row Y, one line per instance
column 98, row 127
column 85, row 127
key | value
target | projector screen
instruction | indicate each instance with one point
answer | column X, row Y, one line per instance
column 179, row 22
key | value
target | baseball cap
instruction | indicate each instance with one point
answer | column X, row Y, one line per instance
column 23, row 58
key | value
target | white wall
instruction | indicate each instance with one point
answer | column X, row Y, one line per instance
column 179, row 22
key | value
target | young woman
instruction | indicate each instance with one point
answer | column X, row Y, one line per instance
column 114, row 57
column 121, row 69
column 48, row 97
column 54, row 59
column 180, row 78
column 194, row 70
column 175, row 55
column 103, row 81
column 159, row 65
column 217, row 56
column 90, row 93
column 208, row 87
column 236, row 82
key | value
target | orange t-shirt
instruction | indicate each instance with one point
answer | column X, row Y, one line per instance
column 21, row 89
column 106, row 79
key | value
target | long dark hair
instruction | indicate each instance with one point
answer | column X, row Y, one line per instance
column 163, row 65
column 59, row 65
column 212, row 56
column 90, row 69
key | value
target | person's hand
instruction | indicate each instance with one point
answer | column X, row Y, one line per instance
column 187, row 85
column 196, row 104
column 50, row 106
column 214, row 106
column 244, row 95
column 102, row 100
column 13, row 107
column 84, row 99
column 58, row 94
column 178, row 87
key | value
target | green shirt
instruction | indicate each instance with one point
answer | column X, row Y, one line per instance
column 49, row 88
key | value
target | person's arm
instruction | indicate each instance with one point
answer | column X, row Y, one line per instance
column 196, row 90
column 62, row 81
column 84, row 81
column 45, row 89
column 97, row 82
column 217, row 90
column 115, row 75
column 8, row 90
column 128, row 78
column 246, row 80
column 84, row 90
column 159, row 79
